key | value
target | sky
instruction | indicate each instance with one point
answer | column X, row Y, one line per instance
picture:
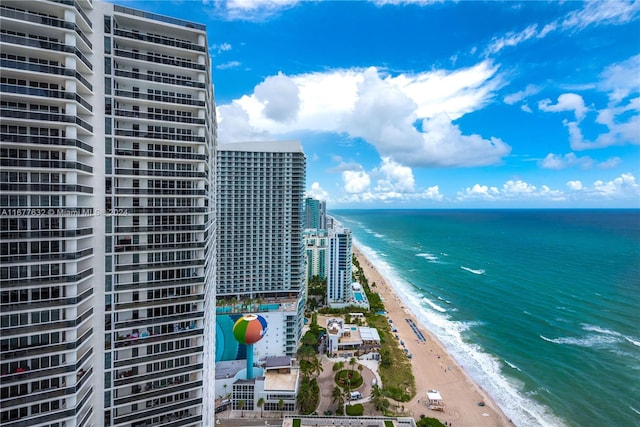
column 434, row 104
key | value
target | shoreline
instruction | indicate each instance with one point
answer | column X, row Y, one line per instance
column 433, row 367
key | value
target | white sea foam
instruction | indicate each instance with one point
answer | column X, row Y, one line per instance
column 471, row 270
column 511, row 365
column 594, row 328
column 429, row 257
column 445, row 300
column 378, row 235
column 590, row 341
column 434, row 305
column 483, row 368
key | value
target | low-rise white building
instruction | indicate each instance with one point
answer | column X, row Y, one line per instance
column 347, row 340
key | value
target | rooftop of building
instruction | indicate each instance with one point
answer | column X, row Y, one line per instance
column 278, row 362
column 275, row 380
column 263, row 146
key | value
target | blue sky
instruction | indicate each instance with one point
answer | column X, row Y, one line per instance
column 435, row 104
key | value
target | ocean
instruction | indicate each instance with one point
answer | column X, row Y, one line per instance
column 540, row 307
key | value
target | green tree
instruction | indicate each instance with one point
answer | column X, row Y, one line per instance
column 260, row 405
column 241, row 407
column 281, row 407
column 338, row 366
column 337, row 396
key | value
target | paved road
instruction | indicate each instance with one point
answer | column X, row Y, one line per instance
column 248, row 422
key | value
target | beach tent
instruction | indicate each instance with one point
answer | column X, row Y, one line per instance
column 434, row 400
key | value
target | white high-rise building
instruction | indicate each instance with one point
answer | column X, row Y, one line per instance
column 107, row 262
column 260, row 234
column 339, row 267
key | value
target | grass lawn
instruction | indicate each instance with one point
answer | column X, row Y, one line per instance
column 398, row 381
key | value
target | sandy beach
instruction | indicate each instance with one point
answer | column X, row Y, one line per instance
column 433, row 368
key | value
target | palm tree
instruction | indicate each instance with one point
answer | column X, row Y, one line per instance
column 316, row 366
column 338, row 366
column 241, row 407
column 260, row 405
column 337, row 396
column 281, row 407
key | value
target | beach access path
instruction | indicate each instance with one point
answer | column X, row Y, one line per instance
column 433, row 367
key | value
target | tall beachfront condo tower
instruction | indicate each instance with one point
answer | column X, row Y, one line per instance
column 260, row 191
column 315, row 214
column 339, row 267
column 107, row 151
column 316, row 244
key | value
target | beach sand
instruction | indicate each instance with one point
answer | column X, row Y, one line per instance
column 433, row 367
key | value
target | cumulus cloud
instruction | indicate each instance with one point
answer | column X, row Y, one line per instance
column 575, row 185
column 280, row 97
column 234, row 125
column 623, row 186
column 621, row 189
column 594, row 13
column 566, row 102
column 390, row 181
column 512, row 190
column 356, row 181
column 394, row 177
column 382, row 109
column 559, row 161
column 317, row 192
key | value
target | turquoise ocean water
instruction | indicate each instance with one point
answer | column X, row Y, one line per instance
column 541, row 307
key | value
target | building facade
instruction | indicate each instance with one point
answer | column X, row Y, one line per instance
column 107, row 181
column 315, row 212
column 260, row 225
column 316, row 243
column 339, row 267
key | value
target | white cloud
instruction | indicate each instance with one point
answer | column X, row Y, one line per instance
column 227, row 65
column 382, row 109
column 559, row 161
column 593, row 13
column 623, row 123
column 610, row 163
column 512, row 190
column 394, row 177
column 280, row 97
column 526, row 108
column 621, row 187
column 356, row 181
column 249, row 10
column 223, row 47
column 566, row 102
column 317, row 192
column 600, row 13
column 512, row 38
column 575, row 185
column 391, row 182
column 622, row 79
column 516, row 97
column 234, row 125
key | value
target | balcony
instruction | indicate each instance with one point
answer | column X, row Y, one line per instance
column 46, row 45
column 160, row 79
column 158, row 39
column 47, row 69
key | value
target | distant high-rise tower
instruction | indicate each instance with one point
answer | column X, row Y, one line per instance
column 260, row 254
column 315, row 214
column 339, row 268
column 107, row 155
